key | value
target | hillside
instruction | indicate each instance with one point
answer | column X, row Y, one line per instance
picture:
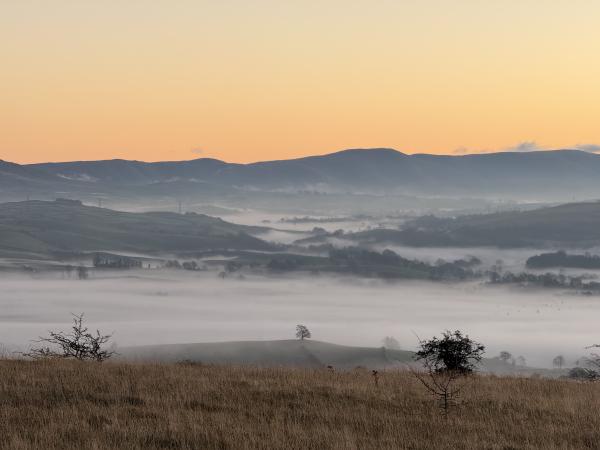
column 66, row 405
column 570, row 225
column 534, row 175
column 19, row 178
column 39, row 228
column 293, row 353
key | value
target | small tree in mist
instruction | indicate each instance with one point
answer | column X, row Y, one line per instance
column 391, row 342
column 302, row 332
column 558, row 361
column 447, row 361
column 505, row 356
column 82, row 273
column 79, row 344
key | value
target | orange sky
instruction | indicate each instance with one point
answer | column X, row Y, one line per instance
column 265, row 79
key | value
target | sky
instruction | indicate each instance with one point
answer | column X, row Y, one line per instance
column 257, row 80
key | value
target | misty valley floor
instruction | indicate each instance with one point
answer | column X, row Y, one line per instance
column 64, row 404
column 166, row 307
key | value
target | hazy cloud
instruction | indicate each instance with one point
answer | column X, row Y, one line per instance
column 526, row 146
column 592, row 148
column 164, row 307
column 198, row 151
column 532, row 146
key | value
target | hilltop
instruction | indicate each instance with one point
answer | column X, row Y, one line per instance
column 295, row 353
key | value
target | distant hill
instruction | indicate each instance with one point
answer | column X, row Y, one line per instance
column 307, row 353
column 38, row 228
column 534, row 175
column 574, row 225
column 296, row 353
column 19, row 178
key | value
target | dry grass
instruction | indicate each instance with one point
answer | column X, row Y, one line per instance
column 50, row 405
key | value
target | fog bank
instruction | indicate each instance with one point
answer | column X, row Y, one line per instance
column 159, row 307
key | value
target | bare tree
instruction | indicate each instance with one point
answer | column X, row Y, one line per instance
column 302, row 332
column 558, row 361
column 447, row 362
column 79, row 344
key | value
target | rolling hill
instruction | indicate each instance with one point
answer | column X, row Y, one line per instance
column 40, row 228
column 294, row 353
column 572, row 225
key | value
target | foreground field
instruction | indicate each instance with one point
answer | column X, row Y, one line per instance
column 60, row 404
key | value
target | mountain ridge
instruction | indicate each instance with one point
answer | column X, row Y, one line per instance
column 380, row 171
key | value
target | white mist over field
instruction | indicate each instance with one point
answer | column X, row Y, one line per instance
column 158, row 307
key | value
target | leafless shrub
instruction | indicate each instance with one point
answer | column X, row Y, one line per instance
column 79, row 344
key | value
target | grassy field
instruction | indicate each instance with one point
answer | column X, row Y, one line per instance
column 60, row 404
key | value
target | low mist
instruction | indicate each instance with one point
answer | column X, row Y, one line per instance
column 161, row 306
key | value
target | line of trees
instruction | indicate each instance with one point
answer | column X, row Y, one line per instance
column 110, row 261
column 548, row 280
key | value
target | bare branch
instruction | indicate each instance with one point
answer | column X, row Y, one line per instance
column 78, row 344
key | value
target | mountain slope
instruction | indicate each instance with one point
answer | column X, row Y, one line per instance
column 15, row 177
column 568, row 225
column 38, row 227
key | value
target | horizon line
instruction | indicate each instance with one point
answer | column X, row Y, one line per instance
column 363, row 149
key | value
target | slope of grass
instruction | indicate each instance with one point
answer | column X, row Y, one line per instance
column 68, row 226
column 62, row 404
column 307, row 353
column 569, row 225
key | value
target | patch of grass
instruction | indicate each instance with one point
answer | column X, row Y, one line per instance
column 64, row 404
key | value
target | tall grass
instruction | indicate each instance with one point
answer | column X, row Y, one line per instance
column 65, row 404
